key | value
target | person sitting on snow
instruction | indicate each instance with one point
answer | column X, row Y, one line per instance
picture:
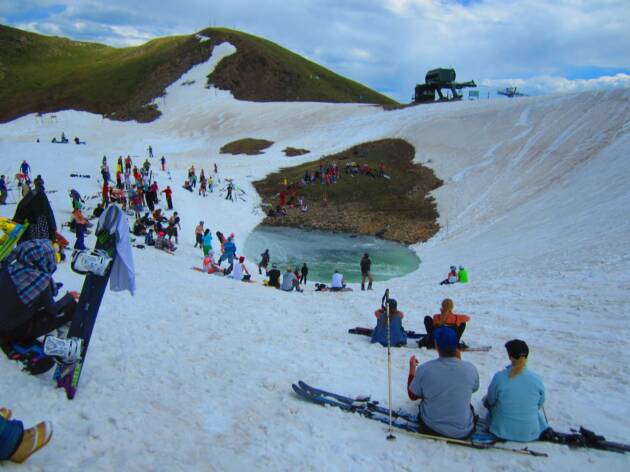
column 162, row 243
column 338, row 282
column 397, row 334
column 451, row 278
column 445, row 386
column 274, row 276
column 446, row 318
column 290, row 281
column 149, row 239
column 27, row 290
column 515, row 398
column 240, row 272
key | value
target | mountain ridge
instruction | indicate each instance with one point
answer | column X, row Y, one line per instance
column 41, row 74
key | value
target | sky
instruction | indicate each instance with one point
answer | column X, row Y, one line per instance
column 541, row 46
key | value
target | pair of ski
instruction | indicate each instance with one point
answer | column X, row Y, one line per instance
column 408, row 424
column 419, row 336
column 401, row 421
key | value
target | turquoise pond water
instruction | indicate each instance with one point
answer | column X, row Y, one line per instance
column 324, row 252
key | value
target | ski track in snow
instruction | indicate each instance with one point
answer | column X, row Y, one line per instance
column 195, row 371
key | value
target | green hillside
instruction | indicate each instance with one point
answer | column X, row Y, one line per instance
column 46, row 74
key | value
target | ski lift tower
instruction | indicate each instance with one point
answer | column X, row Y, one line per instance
column 437, row 80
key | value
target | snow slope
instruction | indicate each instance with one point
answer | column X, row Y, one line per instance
column 195, row 371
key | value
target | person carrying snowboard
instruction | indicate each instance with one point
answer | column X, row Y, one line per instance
column 445, row 386
column 515, row 398
column 366, row 266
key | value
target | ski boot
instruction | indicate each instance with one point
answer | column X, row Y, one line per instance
column 66, row 350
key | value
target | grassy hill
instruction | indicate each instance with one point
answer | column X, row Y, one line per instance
column 46, row 74
column 397, row 208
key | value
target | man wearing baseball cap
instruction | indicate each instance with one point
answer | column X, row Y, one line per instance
column 445, row 385
column 515, row 398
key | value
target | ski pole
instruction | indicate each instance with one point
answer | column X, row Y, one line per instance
column 390, row 436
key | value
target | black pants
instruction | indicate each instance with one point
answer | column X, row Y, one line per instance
column 169, row 202
column 43, row 322
column 303, row 278
column 430, row 327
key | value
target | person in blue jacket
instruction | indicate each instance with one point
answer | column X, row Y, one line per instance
column 515, row 398
column 229, row 252
column 18, row 444
column 398, row 337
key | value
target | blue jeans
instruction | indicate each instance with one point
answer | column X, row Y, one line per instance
column 10, row 436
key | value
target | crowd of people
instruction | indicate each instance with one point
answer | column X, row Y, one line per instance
column 444, row 385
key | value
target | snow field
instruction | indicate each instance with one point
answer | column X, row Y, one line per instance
column 194, row 372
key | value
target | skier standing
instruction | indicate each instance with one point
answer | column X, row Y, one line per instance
column 163, row 163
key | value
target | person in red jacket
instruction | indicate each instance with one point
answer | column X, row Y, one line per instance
column 105, row 193
column 168, row 192
column 446, row 318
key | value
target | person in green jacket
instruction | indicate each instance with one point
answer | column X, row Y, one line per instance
column 462, row 275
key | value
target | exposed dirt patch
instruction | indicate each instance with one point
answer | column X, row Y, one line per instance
column 249, row 146
column 397, row 208
column 291, row 151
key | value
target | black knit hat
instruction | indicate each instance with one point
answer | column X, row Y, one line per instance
column 517, row 348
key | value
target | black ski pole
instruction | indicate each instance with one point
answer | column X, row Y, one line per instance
column 390, row 435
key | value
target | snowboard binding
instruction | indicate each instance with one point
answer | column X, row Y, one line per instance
column 95, row 262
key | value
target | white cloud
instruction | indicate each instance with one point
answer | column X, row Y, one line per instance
column 547, row 84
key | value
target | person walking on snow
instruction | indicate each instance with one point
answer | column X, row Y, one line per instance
column 163, row 163
column 168, row 192
column 151, row 152
column 229, row 192
column 366, row 265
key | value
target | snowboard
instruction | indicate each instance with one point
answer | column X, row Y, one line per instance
column 67, row 375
